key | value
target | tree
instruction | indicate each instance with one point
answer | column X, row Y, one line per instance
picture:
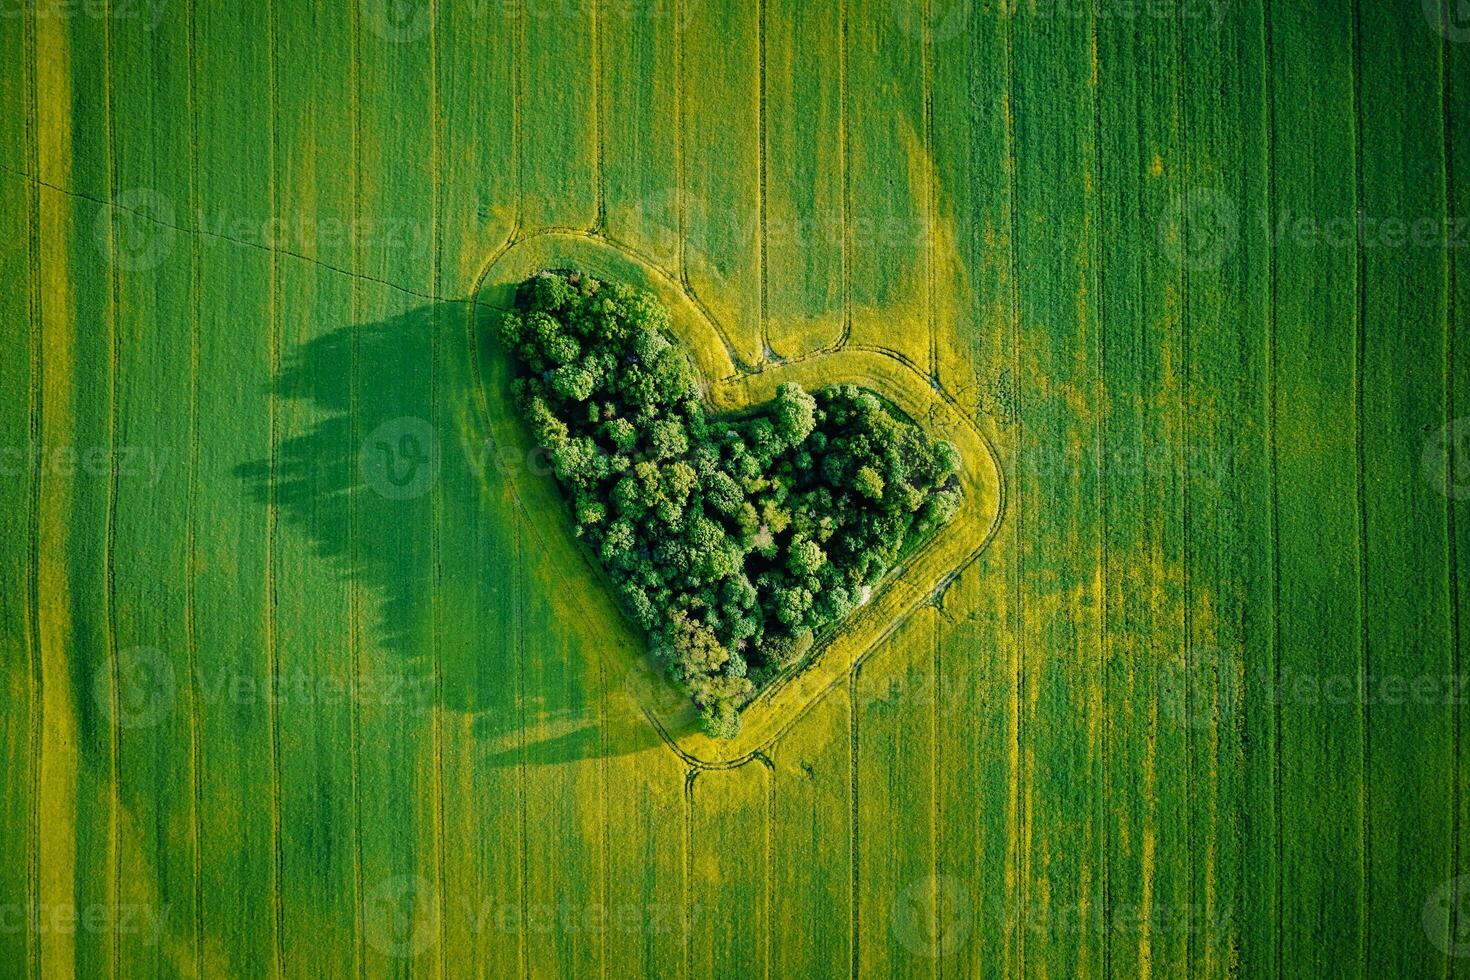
column 730, row 540
column 579, row 463
column 618, row 541
column 804, row 557
column 795, row 413
column 550, row 431
column 550, row 291
column 591, row 512
column 563, row 349
column 679, row 480
column 639, row 605
column 723, row 493
column 628, row 497
column 947, row 457
column 792, row 603
column 648, row 344
column 573, row 382
column 867, row 482
column 621, row 433
column 696, row 648
column 763, row 443
column 667, row 438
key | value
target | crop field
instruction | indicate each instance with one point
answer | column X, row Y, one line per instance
column 304, row 676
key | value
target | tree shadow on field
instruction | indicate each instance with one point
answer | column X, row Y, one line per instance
column 385, row 467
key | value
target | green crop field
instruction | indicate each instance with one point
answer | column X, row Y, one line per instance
column 304, row 677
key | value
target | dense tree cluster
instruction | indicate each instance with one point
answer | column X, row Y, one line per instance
column 730, row 539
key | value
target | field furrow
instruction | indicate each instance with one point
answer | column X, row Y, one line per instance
column 805, row 225
column 640, row 131
column 722, row 210
column 811, row 790
column 558, row 97
column 479, row 179
column 1317, row 507
column 1226, row 694
column 891, row 225
column 975, row 696
column 897, row 890
column 477, row 524
column 1409, row 724
column 1148, row 923
column 21, row 706
column 1455, row 84
column 394, row 552
column 1062, row 589
column 79, row 805
column 729, row 870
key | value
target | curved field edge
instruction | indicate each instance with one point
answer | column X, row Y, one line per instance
column 932, row 566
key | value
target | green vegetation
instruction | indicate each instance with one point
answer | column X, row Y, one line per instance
column 732, row 541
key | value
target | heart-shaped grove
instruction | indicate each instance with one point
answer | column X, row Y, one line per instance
column 763, row 529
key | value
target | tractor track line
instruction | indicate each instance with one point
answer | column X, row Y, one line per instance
column 191, row 596
column 931, row 322
column 109, row 530
column 854, row 920
column 931, row 193
column 1185, row 425
column 1097, row 256
column 272, row 515
column 844, row 156
column 770, row 875
column 681, row 164
column 1452, row 584
column 1359, row 355
column 689, row 777
column 517, row 126
column 936, row 773
column 35, row 407
column 522, row 953
column 1020, row 829
column 604, row 842
column 763, row 141
column 1274, row 458
column 599, row 116
column 354, row 607
column 604, row 838
column 436, row 502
